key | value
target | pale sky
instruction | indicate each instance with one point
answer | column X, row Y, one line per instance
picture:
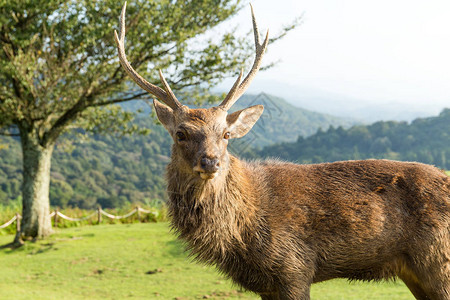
column 377, row 52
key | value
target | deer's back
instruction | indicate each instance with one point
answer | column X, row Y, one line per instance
column 356, row 216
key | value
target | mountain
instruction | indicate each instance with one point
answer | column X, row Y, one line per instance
column 424, row 140
column 111, row 170
column 365, row 109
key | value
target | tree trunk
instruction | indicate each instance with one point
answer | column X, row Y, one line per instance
column 36, row 222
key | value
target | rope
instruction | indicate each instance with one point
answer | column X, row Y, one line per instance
column 145, row 211
column 118, row 217
column 75, row 219
column 87, row 217
column 8, row 223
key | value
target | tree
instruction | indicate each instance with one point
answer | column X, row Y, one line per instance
column 59, row 71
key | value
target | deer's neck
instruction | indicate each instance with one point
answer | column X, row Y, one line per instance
column 213, row 216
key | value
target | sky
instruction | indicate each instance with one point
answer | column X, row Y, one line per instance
column 357, row 53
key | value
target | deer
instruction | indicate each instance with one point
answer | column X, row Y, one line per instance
column 276, row 227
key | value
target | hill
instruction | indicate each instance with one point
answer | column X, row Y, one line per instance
column 424, row 140
column 112, row 170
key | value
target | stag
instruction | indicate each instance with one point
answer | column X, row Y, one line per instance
column 276, row 227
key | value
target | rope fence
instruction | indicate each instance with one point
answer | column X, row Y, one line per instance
column 9, row 222
column 98, row 214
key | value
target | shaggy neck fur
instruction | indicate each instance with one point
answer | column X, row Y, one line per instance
column 213, row 217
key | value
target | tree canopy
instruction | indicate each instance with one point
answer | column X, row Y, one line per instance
column 59, row 70
column 59, row 65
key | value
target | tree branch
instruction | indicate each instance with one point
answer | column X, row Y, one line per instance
column 7, row 131
column 51, row 135
column 117, row 100
column 9, row 134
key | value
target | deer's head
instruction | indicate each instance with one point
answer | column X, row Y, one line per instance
column 200, row 135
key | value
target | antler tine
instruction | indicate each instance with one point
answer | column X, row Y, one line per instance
column 255, row 26
column 166, row 95
column 238, row 89
column 232, row 92
column 167, row 88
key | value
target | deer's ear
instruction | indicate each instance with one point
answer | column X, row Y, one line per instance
column 164, row 114
column 241, row 121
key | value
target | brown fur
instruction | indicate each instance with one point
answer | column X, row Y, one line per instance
column 276, row 227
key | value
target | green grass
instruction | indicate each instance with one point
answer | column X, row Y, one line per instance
column 134, row 261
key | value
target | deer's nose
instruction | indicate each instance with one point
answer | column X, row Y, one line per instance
column 210, row 165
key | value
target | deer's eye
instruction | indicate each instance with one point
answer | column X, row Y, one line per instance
column 227, row 135
column 181, row 136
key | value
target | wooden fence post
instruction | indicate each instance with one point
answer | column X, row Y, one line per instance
column 56, row 218
column 17, row 239
column 138, row 213
column 17, row 223
column 99, row 215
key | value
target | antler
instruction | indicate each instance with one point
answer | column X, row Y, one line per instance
column 239, row 88
column 166, row 95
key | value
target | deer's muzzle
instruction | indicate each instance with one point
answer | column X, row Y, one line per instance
column 208, row 168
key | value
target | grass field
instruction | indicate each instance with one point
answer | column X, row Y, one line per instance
column 134, row 261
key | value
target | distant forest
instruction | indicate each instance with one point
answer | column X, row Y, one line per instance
column 103, row 170
column 424, row 140
column 112, row 171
